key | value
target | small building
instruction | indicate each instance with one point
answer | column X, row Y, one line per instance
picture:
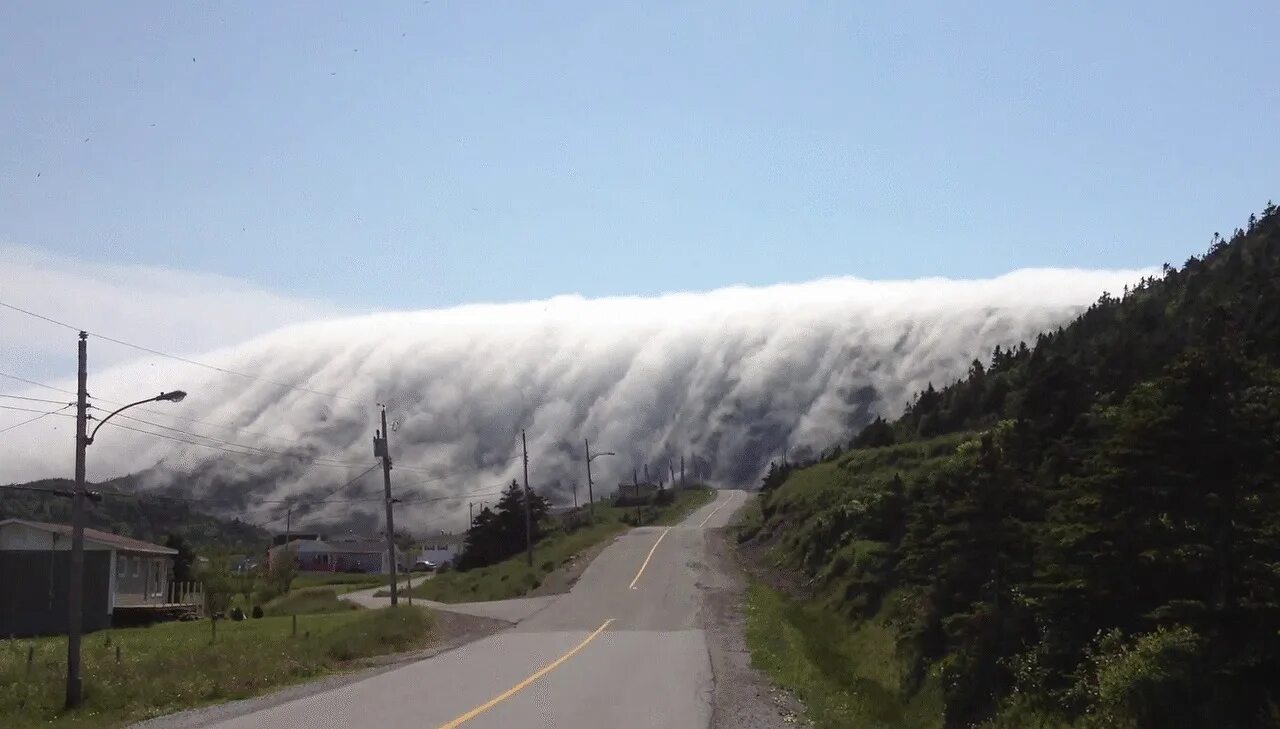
column 346, row 553
column 35, row 568
column 441, row 548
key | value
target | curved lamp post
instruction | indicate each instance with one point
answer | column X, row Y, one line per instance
column 591, row 497
column 175, row 396
column 75, row 591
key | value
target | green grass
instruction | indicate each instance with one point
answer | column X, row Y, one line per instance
column 307, row 601
column 515, row 578
column 345, row 582
column 174, row 666
column 846, row 673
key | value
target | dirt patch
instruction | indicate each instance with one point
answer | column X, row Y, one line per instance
column 743, row 698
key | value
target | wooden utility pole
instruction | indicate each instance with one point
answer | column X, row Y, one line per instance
column 75, row 590
column 382, row 449
column 471, row 517
column 591, row 496
column 528, row 522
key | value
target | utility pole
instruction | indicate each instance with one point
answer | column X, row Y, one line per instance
column 575, row 495
column 672, row 470
column 471, row 518
column 682, row 471
column 75, row 590
column 380, row 448
column 528, row 524
column 591, row 497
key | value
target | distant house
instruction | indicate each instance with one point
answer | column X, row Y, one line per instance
column 442, row 548
column 119, row 572
column 346, row 553
column 642, row 490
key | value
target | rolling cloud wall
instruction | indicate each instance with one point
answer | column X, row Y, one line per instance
column 726, row 378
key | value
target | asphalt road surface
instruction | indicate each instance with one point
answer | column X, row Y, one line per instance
column 621, row 650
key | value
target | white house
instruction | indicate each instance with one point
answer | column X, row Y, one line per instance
column 339, row 554
column 442, row 548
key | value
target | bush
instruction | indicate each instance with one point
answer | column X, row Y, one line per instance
column 1148, row 683
column 382, row 631
column 237, row 614
column 257, row 611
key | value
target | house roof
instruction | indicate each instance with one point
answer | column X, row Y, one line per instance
column 115, row 541
column 316, row 546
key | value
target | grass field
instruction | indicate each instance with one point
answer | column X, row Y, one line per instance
column 174, row 666
column 514, row 578
column 342, row 581
column 307, row 601
column 847, row 674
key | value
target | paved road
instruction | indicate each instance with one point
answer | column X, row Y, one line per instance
column 621, row 650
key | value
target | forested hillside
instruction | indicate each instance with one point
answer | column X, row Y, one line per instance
column 1085, row 532
column 147, row 517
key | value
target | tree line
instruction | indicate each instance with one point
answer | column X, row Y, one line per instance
column 1085, row 531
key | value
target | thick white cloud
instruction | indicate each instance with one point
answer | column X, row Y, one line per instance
column 727, row 377
column 181, row 310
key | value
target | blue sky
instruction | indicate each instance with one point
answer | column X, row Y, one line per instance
column 422, row 154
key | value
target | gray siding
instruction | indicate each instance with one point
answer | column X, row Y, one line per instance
column 33, row 592
column 142, row 578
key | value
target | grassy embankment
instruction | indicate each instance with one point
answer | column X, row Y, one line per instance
column 847, row 670
column 515, row 578
column 341, row 581
column 174, row 666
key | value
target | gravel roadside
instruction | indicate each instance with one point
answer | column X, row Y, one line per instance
column 743, row 697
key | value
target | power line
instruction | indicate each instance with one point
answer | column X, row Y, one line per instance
column 264, row 451
column 34, row 399
column 177, row 358
column 437, row 477
column 146, row 410
column 37, row 384
column 32, row 420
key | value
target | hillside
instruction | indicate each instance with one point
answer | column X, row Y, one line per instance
column 143, row 517
column 1085, row 533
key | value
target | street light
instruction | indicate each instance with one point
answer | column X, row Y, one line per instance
column 591, row 497
column 75, row 590
column 175, row 396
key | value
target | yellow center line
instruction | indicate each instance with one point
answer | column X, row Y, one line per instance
column 713, row 511
column 646, row 559
column 525, row 683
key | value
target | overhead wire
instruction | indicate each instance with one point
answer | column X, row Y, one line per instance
column 178, row 358
column 37, row 384
column 28, row 421
column 33, row 399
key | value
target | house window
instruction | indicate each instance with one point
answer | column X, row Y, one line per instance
column 137, row 566
column 122, row 565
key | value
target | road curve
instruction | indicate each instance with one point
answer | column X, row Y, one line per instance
column 621, row 650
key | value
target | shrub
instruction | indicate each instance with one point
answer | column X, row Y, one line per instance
column 257, row 611
column 381, row 631
column 1148, row 683
column 237, row 614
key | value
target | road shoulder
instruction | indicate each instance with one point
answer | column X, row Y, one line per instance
column 742, row 697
